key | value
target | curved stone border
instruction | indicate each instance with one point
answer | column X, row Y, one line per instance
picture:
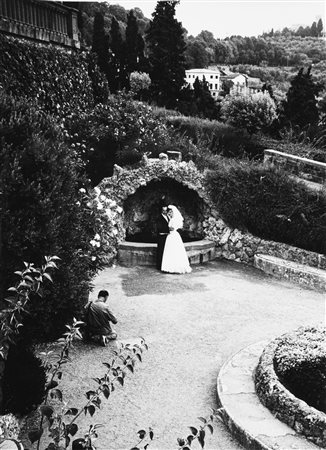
column 283, row 404
column 246, row 417
column 144, row 254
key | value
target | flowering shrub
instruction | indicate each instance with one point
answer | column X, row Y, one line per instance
column 106, row 134
column 107, row 227
column 253, row 112
column 139, row 81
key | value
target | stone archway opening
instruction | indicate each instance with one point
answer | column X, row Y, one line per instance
column 141, row 210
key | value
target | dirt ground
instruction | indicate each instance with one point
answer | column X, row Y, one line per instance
column 192, row 324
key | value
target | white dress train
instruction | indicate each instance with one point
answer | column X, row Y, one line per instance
column 175, row 258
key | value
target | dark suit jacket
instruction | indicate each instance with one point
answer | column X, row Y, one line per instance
column 162, row 225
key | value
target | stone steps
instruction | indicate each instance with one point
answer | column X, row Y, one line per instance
column 307, row 276
column 246, row 417
column 144, row 254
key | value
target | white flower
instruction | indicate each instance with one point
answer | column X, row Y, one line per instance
column 97, row 190
column 99, row 205
column 119, row 209
column 92, row 242
column 115, row 231
column 78, row 203
column 97, row 237
column 93, row 258
column 103, row 198
column 82, row 190
column 98, row 244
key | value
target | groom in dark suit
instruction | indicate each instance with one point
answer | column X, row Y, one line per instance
column 162, row 232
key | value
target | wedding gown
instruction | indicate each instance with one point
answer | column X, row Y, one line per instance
column 175, row 258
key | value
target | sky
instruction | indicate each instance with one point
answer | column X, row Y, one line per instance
column 238, row 17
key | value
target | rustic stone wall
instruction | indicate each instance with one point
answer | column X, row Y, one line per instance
column 239, row 246
column 303, row 167
column 233, row 244
column 283, row 404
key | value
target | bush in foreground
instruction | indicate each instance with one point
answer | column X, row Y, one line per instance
column 44, row 212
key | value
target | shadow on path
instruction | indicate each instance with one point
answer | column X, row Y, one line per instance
column 152, row 282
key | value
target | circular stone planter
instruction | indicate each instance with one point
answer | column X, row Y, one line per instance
column 295, row 412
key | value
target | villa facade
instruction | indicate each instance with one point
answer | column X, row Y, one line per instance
column 212, row 76
column 221, row 77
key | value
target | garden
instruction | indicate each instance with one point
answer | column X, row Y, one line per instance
column 63, row 132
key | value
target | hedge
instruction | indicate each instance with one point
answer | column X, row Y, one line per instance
column 58, row 80
column 269, row 204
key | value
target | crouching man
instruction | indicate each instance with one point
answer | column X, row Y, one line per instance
column 98, row 319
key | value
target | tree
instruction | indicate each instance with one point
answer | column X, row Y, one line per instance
column 319, row 27
column 196, row 55
column 205, row 103
column 118, row 73
column 300, row 106
column 252, row 112
column 166, row 46
column 314, row 30
column 135, row 59
column 101, row 43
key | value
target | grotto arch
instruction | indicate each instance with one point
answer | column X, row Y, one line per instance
column 141, row 210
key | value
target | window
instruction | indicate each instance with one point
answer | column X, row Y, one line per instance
column 215, row 86
column 210, row 86
column 213, row 94
column 216, row 76
column 211, row 76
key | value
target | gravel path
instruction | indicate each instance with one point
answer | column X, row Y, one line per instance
column 192, row 323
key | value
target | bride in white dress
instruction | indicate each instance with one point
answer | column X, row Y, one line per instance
column 175, row 258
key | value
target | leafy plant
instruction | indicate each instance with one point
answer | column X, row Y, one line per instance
column 251, row 112
column 11, row 318
column 61, row 421
column 198, row 433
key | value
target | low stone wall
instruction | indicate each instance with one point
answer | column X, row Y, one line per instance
column 302, row 274
column 239, row 246
column 303, row 418
column 306, row 168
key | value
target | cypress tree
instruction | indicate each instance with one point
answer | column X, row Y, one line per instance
column 118, row 75
column 132, row 43
column 300, row 106
column 319, row 27
column 166, row 45
column 100, row 43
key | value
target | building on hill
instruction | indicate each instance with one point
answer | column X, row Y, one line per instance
column 223, row 79
column 38, row 20
column 212, row 76
column 254, row 85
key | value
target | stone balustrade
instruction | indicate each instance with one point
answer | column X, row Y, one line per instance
column 44, row 21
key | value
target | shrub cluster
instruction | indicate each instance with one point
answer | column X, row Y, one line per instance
column 268, row 203
column 58, row 80
column 119, row 131
column 300, row 363
column 44, row 212
column 218, row 138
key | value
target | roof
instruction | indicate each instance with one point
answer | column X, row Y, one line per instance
column 203, row 71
